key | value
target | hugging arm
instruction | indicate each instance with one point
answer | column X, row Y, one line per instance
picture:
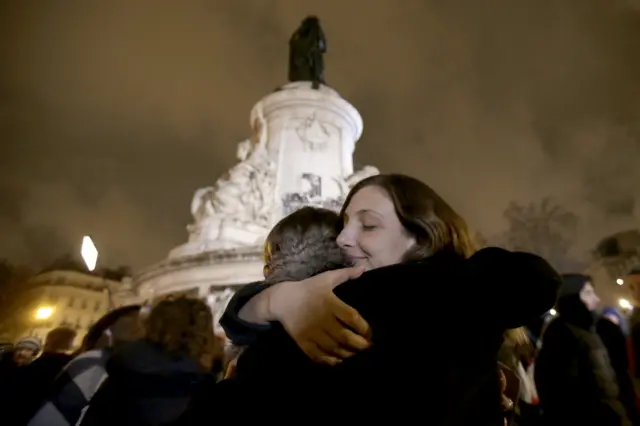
column 322, row 325
column 243, row 329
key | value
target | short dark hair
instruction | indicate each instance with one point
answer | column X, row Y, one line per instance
column 303, row 244
column 59, row 339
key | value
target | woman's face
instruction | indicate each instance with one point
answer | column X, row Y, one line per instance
column 373, row 235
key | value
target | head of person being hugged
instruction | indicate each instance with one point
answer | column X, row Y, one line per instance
column 301, row 245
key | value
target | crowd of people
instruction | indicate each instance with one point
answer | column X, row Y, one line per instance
column 385, row 310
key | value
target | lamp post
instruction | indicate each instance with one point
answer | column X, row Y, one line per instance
column 90, row 254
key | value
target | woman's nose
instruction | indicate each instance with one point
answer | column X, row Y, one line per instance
column 343, row 239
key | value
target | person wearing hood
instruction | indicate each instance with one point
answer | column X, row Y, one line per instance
column 576, row 383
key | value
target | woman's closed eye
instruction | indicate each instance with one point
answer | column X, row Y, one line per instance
column 368, row 227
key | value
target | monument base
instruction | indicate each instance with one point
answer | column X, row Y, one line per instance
column 212, row 276
column 201, row 274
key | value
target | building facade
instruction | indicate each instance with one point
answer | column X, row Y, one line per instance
column 67, row 298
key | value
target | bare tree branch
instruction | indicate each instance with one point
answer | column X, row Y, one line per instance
column 544, row 228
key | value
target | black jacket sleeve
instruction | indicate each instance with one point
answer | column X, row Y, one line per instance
column 239, row 331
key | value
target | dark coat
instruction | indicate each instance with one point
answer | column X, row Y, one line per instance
column 615, row 343
column 26, row 387
column 422, row 365
column 574, row 377
column 144, row 387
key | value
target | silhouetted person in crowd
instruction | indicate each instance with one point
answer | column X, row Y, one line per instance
column 632, row 281
column 576, row 382
column 23, row 353
column 610, row 327
column 34, row 380
column 81, row 378
column 151, row 380
column 15, row 393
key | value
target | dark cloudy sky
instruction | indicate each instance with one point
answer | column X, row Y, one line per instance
column 113, row 112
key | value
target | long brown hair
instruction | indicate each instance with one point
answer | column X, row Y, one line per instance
column 423, row 214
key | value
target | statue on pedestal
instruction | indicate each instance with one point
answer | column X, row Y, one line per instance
column 306, row 49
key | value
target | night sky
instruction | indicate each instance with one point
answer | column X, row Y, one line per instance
column 113, row 112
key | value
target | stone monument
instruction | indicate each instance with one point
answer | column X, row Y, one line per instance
column 299, row 153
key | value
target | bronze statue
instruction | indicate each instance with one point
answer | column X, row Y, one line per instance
column 306, row 47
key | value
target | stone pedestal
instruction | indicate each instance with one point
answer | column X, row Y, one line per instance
column 201, row 274
column 211, row 276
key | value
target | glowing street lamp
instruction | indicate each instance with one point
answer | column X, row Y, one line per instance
column 89, row 253
column 44, row 313
column 553, row 312
column 625, row 304
column 619, row 281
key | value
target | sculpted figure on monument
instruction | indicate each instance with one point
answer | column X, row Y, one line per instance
column 243, row 198
column 306, row 49
column 202, row 203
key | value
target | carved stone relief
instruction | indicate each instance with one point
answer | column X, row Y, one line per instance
column 314, row 134
column 243, row 199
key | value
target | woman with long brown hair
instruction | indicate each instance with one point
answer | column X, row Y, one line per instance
column 388, row 333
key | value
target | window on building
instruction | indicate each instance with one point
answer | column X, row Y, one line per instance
column 72, row 302
column 83, row 306
column 60, row 281
column 97, row 306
